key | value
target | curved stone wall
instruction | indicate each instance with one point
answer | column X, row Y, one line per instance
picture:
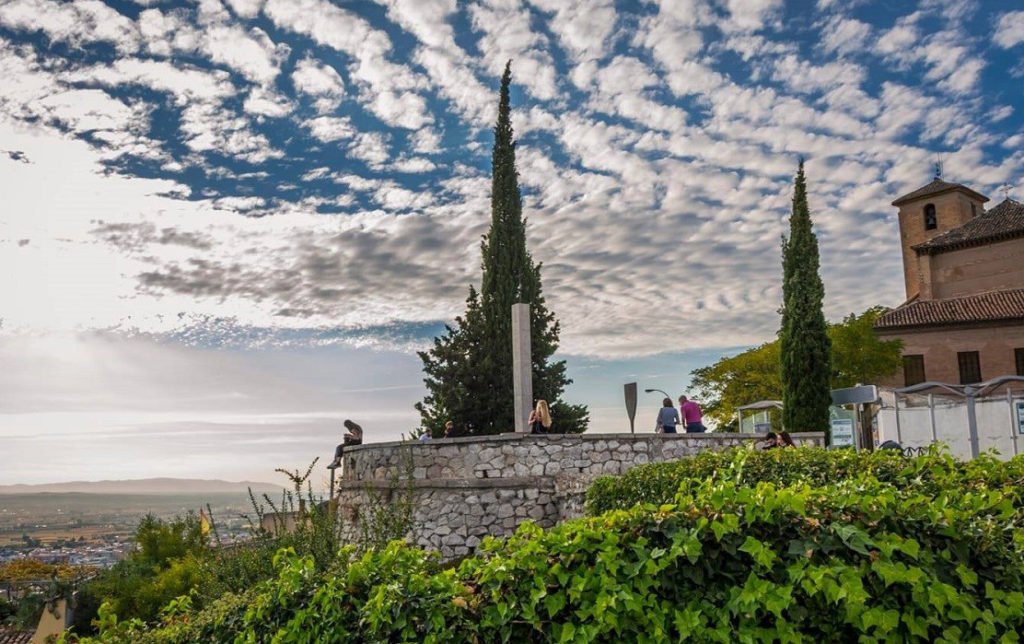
column 465, row 488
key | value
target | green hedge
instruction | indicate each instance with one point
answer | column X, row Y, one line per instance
column 658, row 483
column 939, row 556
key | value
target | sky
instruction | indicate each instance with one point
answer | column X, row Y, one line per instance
column 227, row 225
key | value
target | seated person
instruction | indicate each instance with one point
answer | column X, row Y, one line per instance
column 770, row 441
column 354, row 436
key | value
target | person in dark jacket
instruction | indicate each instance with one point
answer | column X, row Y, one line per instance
column 354, row 436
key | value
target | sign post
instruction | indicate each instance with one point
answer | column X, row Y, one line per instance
column 842, row 433
column 630, row 390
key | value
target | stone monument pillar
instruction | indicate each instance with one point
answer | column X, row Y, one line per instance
column 522, row 366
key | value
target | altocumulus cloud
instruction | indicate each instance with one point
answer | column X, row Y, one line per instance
column 318, row 170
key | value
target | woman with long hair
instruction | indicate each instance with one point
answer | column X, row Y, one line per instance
column 540, row 418
column 668, row 418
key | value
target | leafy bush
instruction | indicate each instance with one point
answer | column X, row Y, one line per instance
column 175, row 558
column 658, row 483
column 936, row 554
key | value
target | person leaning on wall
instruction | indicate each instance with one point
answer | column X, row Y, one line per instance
column 668, row 418
column 540, row 418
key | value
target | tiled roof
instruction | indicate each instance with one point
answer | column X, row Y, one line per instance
column 935, row 187
column 15, row 637
column 1002, row 222
column 985, row 307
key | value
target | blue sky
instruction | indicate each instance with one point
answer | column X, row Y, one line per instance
column 227, row 225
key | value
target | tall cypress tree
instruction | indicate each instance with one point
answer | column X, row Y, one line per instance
column 469, row 369
column 804, row 343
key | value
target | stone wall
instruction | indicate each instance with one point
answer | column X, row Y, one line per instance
column 462, row 489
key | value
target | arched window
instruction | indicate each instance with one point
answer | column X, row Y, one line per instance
column 931, row 222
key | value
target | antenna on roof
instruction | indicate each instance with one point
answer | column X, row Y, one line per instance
column 938, row 168
column 1006, row 190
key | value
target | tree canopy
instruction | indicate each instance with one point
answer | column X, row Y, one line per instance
column 857, row 356
column 469, row 368
column 804, row 352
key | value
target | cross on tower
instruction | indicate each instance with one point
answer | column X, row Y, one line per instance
column 1006, row 190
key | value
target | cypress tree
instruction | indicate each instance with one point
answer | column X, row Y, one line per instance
column 469, row 370
column 805, row 349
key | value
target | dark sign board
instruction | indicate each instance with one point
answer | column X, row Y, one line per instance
column 630, row 389
column 863, row 394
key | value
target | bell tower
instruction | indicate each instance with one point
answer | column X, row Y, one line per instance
column 928, row 212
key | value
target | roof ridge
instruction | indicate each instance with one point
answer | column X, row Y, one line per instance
column 989, row 306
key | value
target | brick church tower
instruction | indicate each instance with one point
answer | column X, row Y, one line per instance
column 928, row 212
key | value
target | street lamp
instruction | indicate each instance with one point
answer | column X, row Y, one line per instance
column 649, row 391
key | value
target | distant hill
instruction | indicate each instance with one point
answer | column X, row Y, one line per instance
column 145, row 486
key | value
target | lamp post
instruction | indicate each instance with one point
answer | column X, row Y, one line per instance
column 650, row 391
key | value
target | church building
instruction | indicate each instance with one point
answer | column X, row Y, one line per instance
column 963, row 266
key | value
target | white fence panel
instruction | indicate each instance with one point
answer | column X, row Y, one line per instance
column 996, row 425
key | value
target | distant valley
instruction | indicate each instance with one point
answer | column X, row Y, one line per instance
column 153, row 486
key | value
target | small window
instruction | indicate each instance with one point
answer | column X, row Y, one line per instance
column 931, row 222
column 913, row 370
column 1018, row 357
column 970, row 367
column 974, row 210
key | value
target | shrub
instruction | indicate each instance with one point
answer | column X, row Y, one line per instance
column 658, row 483
column 928, row 558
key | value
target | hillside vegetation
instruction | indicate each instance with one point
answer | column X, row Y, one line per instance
column 793, row 546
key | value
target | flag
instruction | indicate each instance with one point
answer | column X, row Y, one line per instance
column 204, row 523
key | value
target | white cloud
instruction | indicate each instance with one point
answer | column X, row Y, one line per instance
column 371, row 147
column 78, row 22
column 899, row 41
column 319, row 81
column 413, row 165
column 246, row 8
column 751, row 15
column 184, row 83
column 264, row 102
column 386, row 88
column 506, row 35
column 584, row 27
column 845, row 35
column 1010, row 29
column 330, row 128
column 251, row 52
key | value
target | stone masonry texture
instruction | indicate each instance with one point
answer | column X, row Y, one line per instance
column 464, row 489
